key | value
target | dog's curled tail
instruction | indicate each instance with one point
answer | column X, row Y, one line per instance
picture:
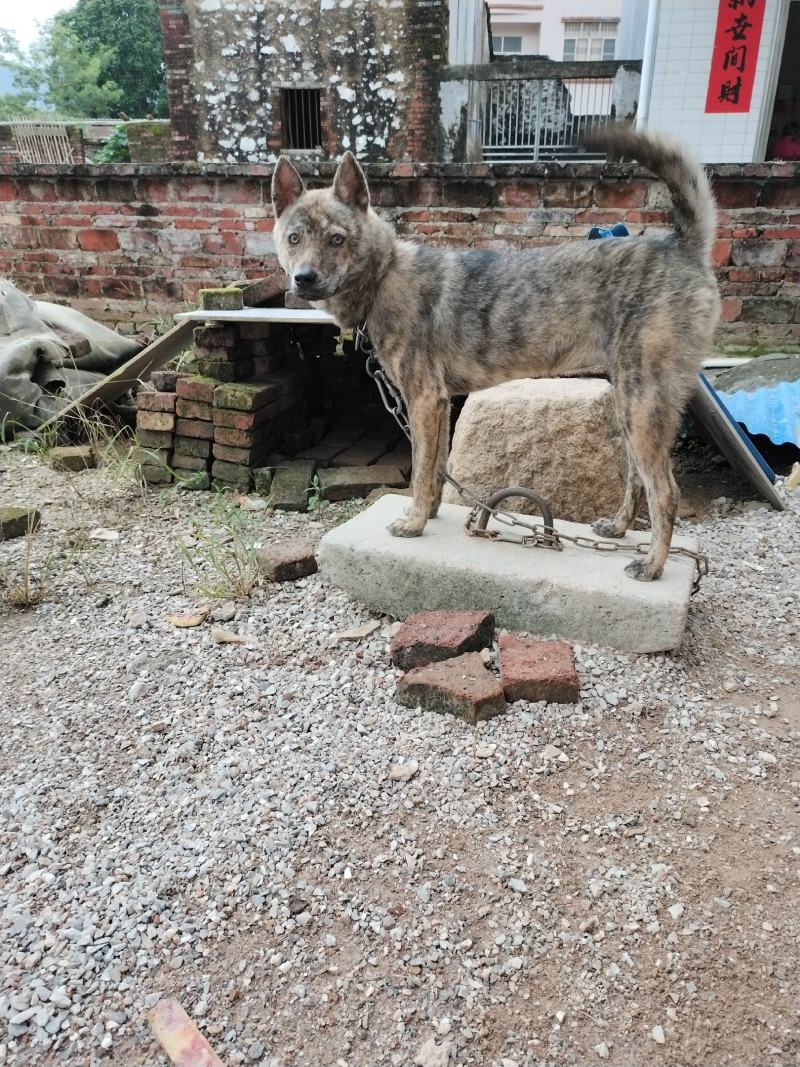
column 692, row 200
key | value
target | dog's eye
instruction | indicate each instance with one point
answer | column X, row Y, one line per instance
column 337, row 239
column 293, row 238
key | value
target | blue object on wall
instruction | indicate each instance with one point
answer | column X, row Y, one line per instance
column 619, row 229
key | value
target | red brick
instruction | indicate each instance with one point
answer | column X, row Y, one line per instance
column 620, row 194
column 182, row 461
column 225, row 435
column 242, row 420
column 287, row 562
column 192, row 446
column 161, row 439
column 538, row 670
column 429, row 636
column 721, row 253
column 98, row 240
column 250, row 457
column 152, row 401
column 196, row 388
column 194, row 428
column 193, row 409
column 155, row 420
column 731, row 308
column 461, row 686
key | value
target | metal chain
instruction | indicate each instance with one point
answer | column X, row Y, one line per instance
column 539, row 535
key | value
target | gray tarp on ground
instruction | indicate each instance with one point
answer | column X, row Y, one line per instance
column 37, row 369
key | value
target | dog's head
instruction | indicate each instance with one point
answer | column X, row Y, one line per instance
column 324, row 237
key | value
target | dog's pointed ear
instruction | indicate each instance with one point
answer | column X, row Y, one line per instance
column 350, row 184
column 287, row 186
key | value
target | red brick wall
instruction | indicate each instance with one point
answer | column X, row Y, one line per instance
column 131, row 243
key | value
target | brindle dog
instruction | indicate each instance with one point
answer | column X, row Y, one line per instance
column 446, row 322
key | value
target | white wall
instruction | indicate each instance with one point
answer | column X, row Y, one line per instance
column 548, row 15
column 684, row 41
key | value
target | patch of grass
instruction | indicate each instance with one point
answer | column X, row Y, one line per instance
column 316, row 501
column 223, row 557
column 31, row 585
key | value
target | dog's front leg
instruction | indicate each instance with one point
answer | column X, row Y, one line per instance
column 425, row 416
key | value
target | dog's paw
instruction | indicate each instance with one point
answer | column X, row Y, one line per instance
column 643, row 571
column 433, row 511
column 607, row 528
column 406, row 528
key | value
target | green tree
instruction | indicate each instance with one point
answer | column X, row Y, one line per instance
column 73, row 75
column 127, row 34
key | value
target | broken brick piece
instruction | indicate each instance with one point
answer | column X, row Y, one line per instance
column 72, row 457
column 430, row 636
column 532, row 669
column 287, row 562
column 165, row 381
column 461, row 686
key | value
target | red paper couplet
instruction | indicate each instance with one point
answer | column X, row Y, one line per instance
column 733, row 61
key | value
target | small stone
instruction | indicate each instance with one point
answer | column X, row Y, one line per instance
column 15, row 522
column 602, row 1050
column 72, row 457
column 657, row 1034
column 137, row 619
column 461, row 686
column 357, row 633
column 404, row 772
column 225, row 612
column 485, row 751
column 676, row 911
column 287, row 562
column 256, row 1050
column 431, row 636
column 517, row 885
column 538, row 670
column 766, row 757
column 729, row 685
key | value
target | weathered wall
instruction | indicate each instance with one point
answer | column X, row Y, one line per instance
column 127, row 243
column 375, row 61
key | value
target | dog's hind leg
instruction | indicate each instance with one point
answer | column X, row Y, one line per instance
column 426, row 415
column 623, row 520
column 651, row 436
column 441, row 461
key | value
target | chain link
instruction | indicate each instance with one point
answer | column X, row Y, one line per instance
column 538, row 535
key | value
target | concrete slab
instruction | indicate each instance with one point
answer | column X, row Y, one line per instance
column 575, row 594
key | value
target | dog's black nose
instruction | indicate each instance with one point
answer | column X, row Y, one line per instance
column 305, row 276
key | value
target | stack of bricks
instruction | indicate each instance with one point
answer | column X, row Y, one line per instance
column 155, row 428
column 251, row 419
column 247, row 400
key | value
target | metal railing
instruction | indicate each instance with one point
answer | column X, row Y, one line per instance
column 531, row 109
column 544, row 119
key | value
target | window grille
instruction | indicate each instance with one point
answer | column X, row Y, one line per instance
column 302, row 125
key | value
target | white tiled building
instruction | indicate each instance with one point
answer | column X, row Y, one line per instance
column 675, row 40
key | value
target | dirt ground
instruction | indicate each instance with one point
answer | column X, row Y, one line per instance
column 214, row 821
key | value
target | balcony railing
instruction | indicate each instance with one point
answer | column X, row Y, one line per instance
column 534, row 110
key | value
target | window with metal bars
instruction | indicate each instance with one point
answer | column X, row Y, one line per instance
column 302, row 125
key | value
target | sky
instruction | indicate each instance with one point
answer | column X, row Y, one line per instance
column 22, row 18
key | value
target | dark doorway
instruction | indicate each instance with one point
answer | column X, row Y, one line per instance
column 786, row 110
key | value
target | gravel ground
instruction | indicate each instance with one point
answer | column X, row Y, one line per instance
column 217, row 822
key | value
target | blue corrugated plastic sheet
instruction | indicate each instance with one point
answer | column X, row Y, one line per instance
column 773, row 412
